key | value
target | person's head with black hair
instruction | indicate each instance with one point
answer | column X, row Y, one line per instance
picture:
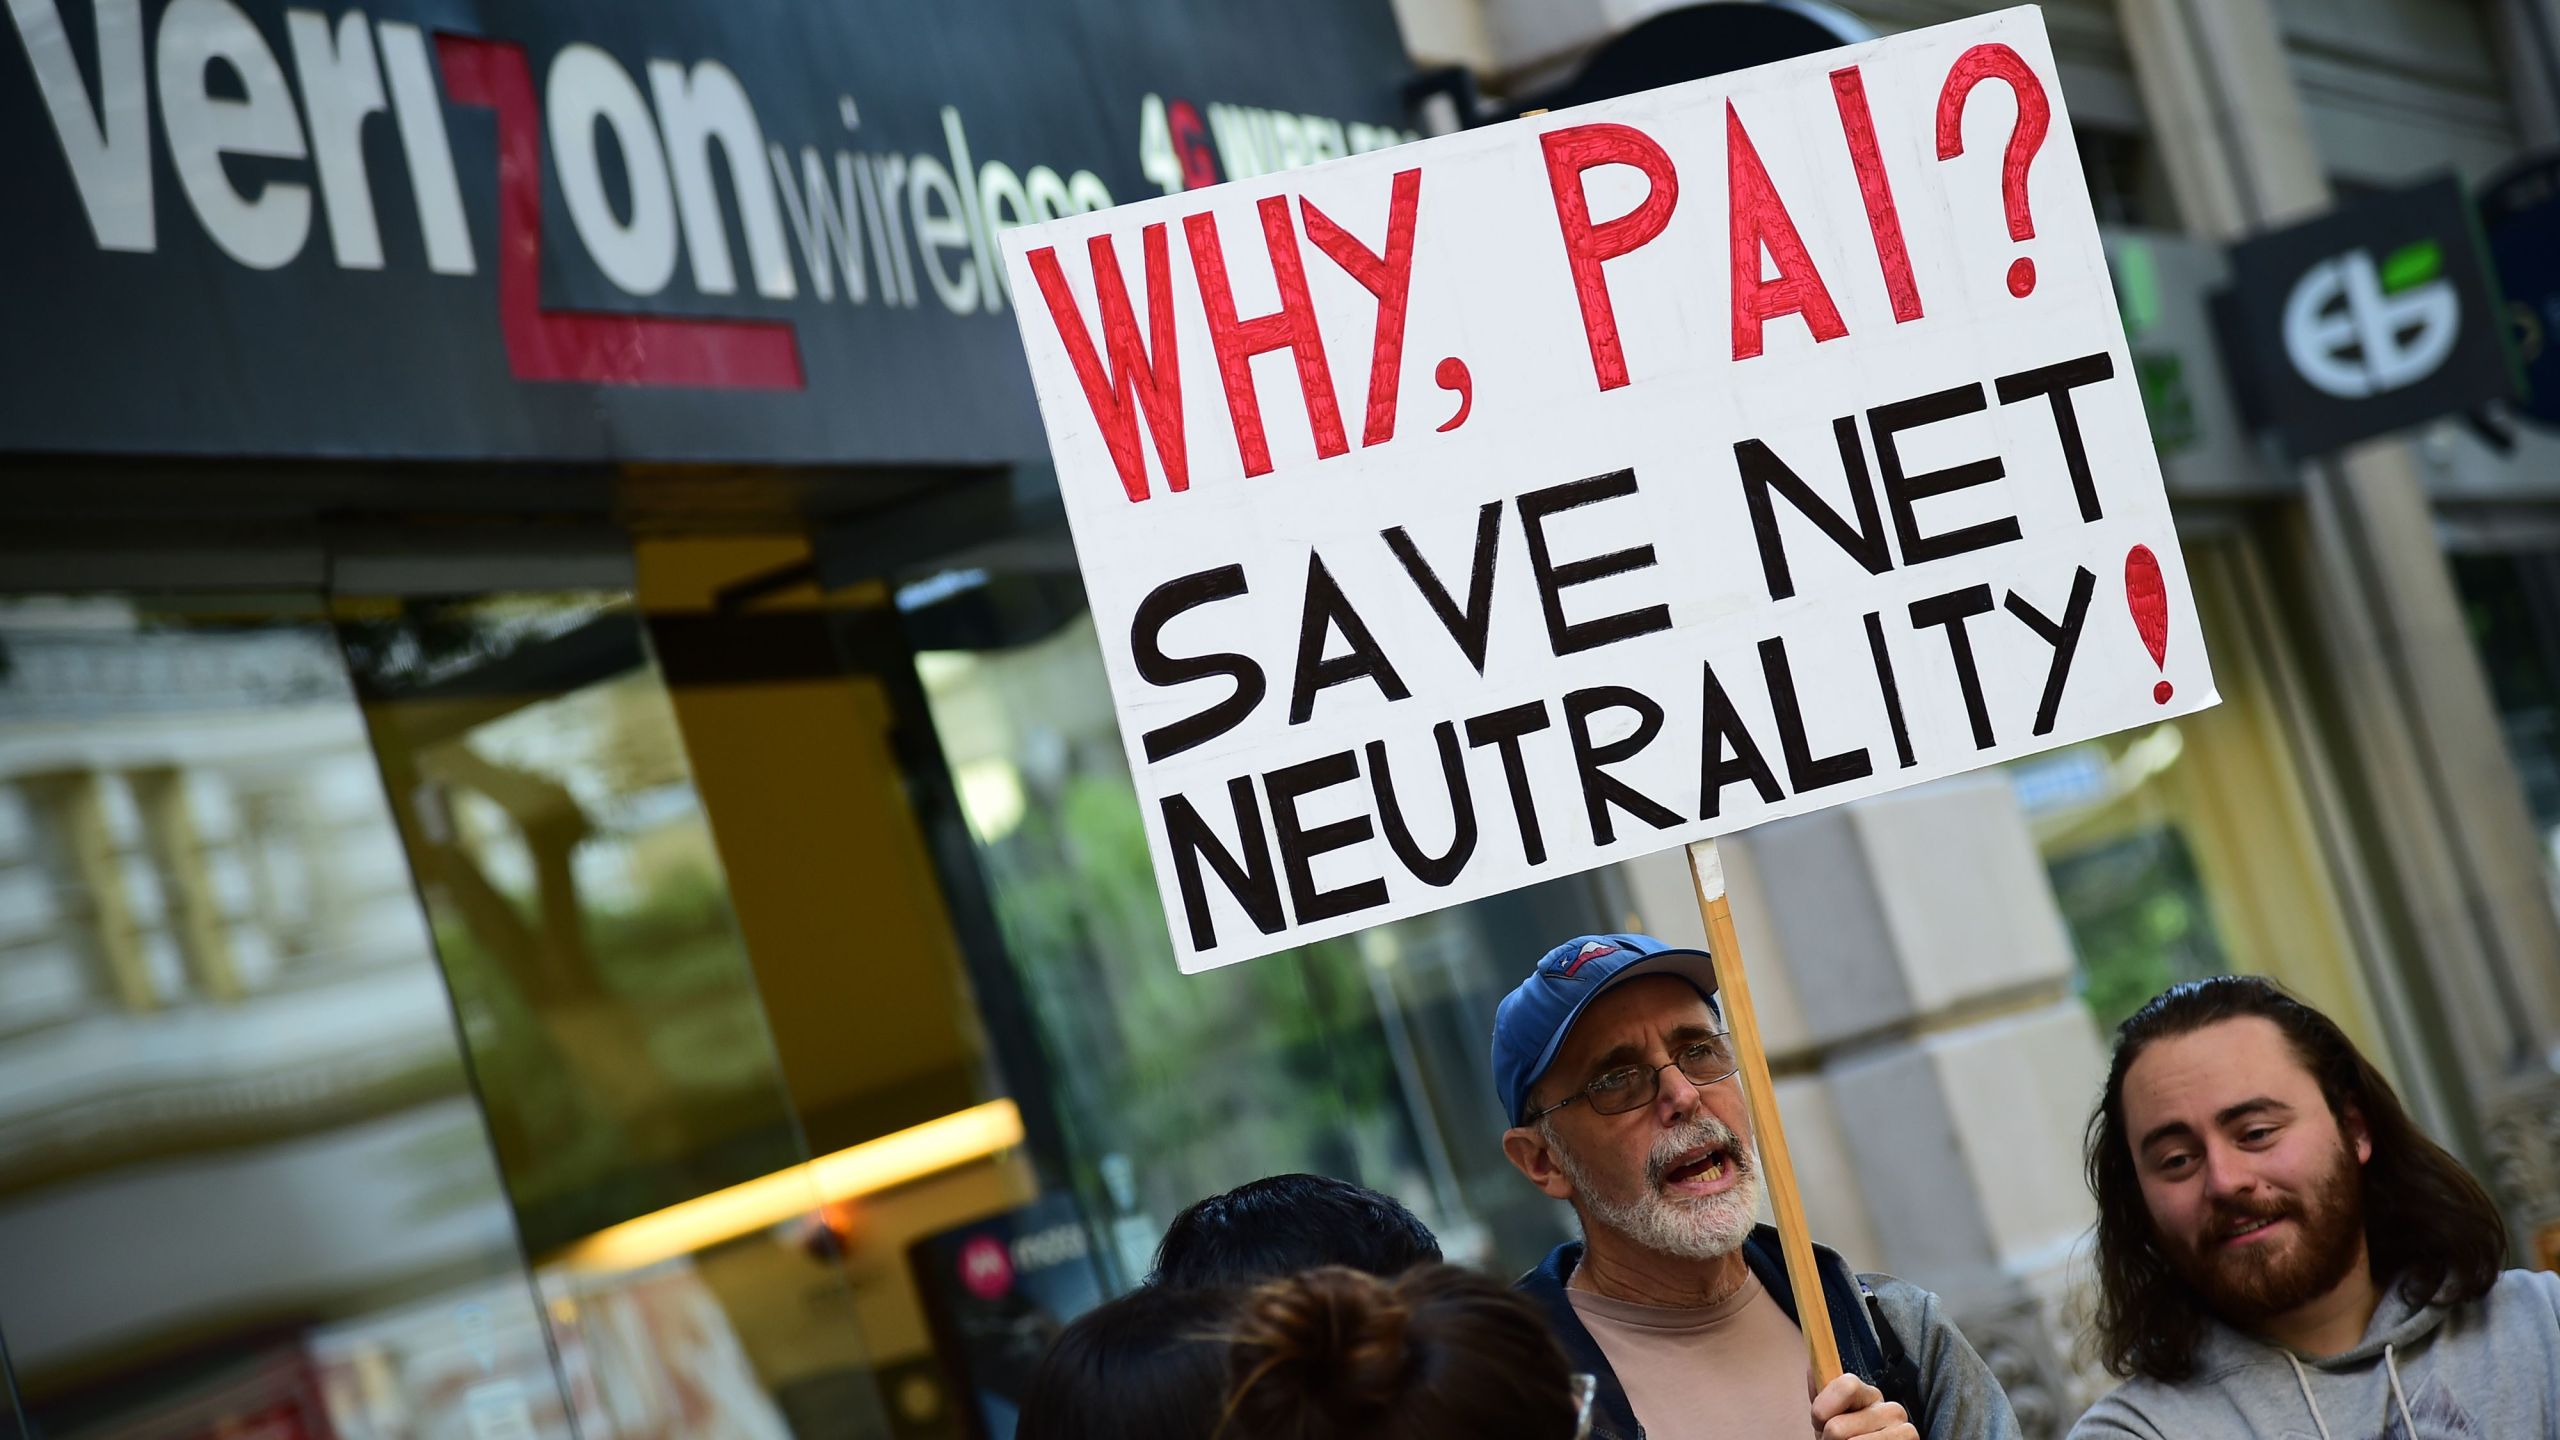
column 1283, row 1224
column 1151, row 1365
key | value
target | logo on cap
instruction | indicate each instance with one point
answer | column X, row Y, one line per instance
column 1591, row 950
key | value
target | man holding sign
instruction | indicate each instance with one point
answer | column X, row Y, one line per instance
column 1612, row 1062
column 1502, row 506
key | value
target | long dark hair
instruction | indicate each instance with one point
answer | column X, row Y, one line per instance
column 1337, row 1354
column 2429, row 1227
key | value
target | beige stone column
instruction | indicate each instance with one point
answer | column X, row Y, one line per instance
column 91, row 876
column 177, row 849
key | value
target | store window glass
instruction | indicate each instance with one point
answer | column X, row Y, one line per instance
column 894, row 1016
column 577, row 902
column 244, row 1188
column 687, row 1253
column 2192, row 847
column 2512, row 604
column 13, row 1418
column 1362, row 1057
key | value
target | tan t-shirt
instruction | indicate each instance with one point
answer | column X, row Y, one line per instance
column 1730, row 1371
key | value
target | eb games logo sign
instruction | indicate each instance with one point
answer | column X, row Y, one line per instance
column 2372, row 318
column 2355, row 327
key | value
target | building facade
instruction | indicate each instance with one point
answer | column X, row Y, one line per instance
column 565, row 864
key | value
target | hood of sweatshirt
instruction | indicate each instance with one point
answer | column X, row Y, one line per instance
column 2357, row 1387
column 2397, row 1326
column 2487, row 1369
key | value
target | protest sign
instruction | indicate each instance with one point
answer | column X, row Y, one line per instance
column 1507, row 504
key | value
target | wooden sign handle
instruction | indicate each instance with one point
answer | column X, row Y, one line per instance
column 1733, row 992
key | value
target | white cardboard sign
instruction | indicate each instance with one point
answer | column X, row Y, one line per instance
column 1507, row 504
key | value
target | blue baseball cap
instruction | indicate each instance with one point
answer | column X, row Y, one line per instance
column 1530, row 1026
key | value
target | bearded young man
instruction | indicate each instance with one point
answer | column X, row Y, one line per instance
column 1619, row 1080
column 2282, row 1253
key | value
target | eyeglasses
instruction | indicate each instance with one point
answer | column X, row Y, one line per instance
column 1585, row 1387
column 1632, row 1087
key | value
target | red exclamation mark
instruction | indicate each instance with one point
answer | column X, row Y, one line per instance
column 2147, row 596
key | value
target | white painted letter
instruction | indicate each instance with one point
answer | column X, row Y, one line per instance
column 341, row 85
column 420, row 111
column 830, row 236
column 1002, row 204
column 891, row 171
column 928, row 181
column 1088, row 191
column 587, row 85
column 1157, row 159
column 109, row 151
column 972, row 211
column 264, row 231
column 1049, row 197
column 695, row 110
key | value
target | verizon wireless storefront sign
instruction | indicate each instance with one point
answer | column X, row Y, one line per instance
column 747, row 230
column 1537, row 497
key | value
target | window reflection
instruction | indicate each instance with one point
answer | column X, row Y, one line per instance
column 2115, row 837
column 13, row 1419
column 615, row 1031
column 578, row 904
column 2190, row 848
column 2511, row 604
column 1362, row 1057
column 243, row 1186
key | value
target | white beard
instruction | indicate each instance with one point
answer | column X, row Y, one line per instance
column 1700, row 1227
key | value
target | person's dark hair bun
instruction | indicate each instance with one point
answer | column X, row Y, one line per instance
column 1333, row 1340
column 1337, row 1354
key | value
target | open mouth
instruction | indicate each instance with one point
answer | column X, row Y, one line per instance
column 1705, row 1172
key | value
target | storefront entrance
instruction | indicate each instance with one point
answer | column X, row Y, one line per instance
column 586, row 994
column 370, row 960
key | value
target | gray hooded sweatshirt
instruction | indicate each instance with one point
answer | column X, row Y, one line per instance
column 2489, row 1370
